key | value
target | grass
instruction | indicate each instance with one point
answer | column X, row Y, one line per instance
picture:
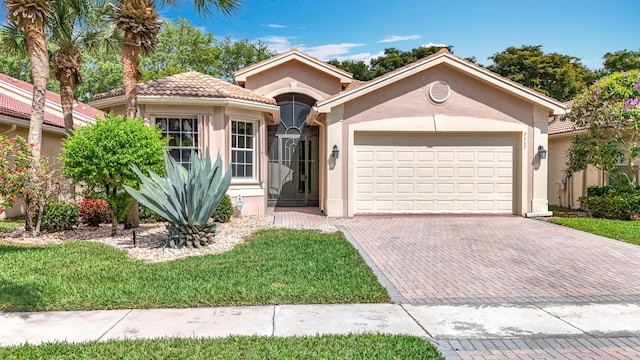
column 11, row 224
column 274, row 266
column 317, row 347
column 628, row 231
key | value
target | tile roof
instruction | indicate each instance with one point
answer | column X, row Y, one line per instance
column 19, row 105
column 192, row 84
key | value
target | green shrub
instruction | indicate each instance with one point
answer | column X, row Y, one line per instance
column 620, row 201
column 60, row 215
column 148, row 216
column 224, row 211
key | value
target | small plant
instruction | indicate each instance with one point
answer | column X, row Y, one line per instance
column 187, row 199
column 60, row 215
column 94, row 212
column 224, row 211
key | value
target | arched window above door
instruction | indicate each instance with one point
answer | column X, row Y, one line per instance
column 294, row 109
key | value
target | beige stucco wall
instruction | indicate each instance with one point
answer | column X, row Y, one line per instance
column 473, row 106
column 294, row 76
column 51, row 146
column 567, row 193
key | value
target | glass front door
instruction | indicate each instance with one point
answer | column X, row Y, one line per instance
column 293, row 171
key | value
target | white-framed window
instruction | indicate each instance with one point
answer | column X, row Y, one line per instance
column 182, row 135
column 243, row 149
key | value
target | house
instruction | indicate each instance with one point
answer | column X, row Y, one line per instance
column 441, row 135
column 15, row 112
column 562, row 190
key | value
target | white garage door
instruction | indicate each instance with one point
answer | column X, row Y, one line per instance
column 433, row 174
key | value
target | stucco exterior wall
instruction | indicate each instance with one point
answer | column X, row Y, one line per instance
column 473, row 106
column 409, row 97
column 562, row 191
column 294, row 76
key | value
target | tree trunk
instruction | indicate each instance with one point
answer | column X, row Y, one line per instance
column 37, row 48
column 130, row 76
column 66, row 99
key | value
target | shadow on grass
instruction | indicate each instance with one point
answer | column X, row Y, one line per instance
column 16, row 297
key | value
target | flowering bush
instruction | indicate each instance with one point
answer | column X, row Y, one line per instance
column 25, row 177
column 610, row 111
column 94, row 212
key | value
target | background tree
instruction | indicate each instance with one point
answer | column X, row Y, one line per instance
column 391, row 60
column 610, row 110
column 559, row 76
column 621, row 60
column 180, row 48
column 235, row 55
column 100, row 157
column 32, row 17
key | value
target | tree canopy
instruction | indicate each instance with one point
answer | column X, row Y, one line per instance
column 610, row 110
column 559, row 76
column 391, row 60
column 621, row 60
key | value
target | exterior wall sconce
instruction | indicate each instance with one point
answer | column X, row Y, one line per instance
column 542, row 152
column 335, row 152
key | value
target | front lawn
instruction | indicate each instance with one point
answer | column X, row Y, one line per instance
column 628, row 231
column 274, row 266
column 317, row 347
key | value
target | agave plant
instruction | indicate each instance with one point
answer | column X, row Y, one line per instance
column 186, row 198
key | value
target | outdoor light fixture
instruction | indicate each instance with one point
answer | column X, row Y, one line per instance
column 542, row 152
column 335, row 151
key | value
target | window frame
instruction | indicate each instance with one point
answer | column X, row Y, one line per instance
column 254, row 149
column 167, row 133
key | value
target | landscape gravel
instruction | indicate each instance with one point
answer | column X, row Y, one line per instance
column 150, row 238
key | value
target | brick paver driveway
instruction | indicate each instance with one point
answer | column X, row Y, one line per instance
column 484, row 259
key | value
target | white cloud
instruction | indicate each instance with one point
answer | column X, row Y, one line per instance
column 276, row 26
column 278, row 44
column 365, row 56
column 433, row 44
column 395, row 38
column 330, row 51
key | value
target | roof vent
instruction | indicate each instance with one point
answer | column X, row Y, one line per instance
column 439, row 91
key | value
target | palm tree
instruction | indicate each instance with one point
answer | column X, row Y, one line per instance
column 32, row 16
column 78, row 25
column 140, row 23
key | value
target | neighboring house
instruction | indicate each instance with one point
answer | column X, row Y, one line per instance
column 441, row 135
column 566, row 191
column 15, row 112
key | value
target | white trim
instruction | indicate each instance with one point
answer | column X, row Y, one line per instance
column 25, row 124
column 256, row 149
column 296, row 90
column 242, row 74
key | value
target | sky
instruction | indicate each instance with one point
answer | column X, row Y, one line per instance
column 360, row 30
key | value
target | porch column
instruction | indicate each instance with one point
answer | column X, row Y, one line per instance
column 539, row 201
column 335, row 176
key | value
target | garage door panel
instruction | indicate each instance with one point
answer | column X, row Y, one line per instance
column 407, row 174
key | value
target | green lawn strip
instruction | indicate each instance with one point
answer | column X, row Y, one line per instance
column 274, row 266
column 367, row 346
column 628, row 231
column 11, row 224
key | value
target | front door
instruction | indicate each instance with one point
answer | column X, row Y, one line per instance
column 293, row 170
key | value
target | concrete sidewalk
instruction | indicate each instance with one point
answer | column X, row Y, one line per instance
column 433, row 322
